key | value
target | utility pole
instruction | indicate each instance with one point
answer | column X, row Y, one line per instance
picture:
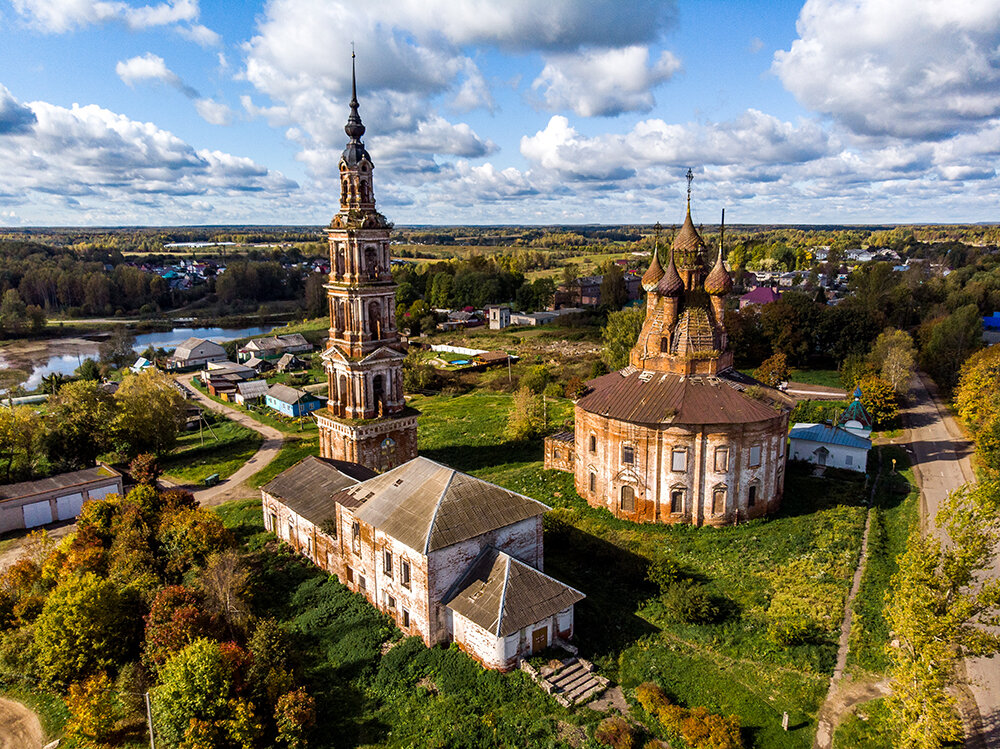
column 149, row 719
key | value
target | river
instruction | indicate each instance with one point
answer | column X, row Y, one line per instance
column 45, row 356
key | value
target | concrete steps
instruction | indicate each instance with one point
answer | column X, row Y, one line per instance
column 572, row 682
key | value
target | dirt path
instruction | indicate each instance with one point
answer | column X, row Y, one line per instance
column 842, row 695
column 235, row 487
column 19, row 727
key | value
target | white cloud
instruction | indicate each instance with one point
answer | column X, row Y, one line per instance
column 59, row 16
column 14, row 116
column 604, row 82
column 903, row 68
column 147, row 67
column 213, row 112
column 91, row 159
column 200, row 35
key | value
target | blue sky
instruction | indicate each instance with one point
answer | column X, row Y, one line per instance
column 570, row 111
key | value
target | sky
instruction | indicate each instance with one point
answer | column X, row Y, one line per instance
column 182, row 112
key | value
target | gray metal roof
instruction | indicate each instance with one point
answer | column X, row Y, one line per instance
column 504, row 595
column 309, row 486
column 252, row 388
column 429, row 506
column 287, row 394
column 61, row 481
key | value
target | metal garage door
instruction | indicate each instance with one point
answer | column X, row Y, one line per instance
column 69, row 506
column 102, row 492
column 37, row 514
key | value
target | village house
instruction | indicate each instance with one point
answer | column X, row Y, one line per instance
column 761, row 295
column 829, row 445
column 273, row 347
column 250, row 392
column 30, row 504
column 499, row 316
column 292, row 401
column 194, row 353
column 449, row 557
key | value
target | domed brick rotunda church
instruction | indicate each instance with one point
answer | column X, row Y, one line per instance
column 678, row 435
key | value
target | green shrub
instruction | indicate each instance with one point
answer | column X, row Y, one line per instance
column 689, row 602
column 663, row 572
column 616, row 733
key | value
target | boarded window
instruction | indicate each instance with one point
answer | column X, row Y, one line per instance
column 752, row 496
column 356, row 537
column 593, row 444
column 291, row 531
column 387, row 560
column 719, row 501
column 781, row 448
column 755, row 456
column 404, row 573
column 722, row 459
column 678, row 460
column 849, row 460
column 628, row 499
column 593, row 481
column 677, row 501
column 628, row 454
column 273, row 527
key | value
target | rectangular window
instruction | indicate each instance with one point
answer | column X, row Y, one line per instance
column 849, row 460
column 291, row 531
column 593, row 482
column 678, row 460
column 755, row 456
column 752, row 498
column 722, row 459
column 391, row 602
column 388, row 563
column 628, row 499
column 718, row 502
column 350, row 575
column 406, row 619
column 404, row 573
column 677, row 501
column 555, row 455
column 362, row 583
column 781, row 448
column 628, row 454
column 356, row 537
column 593, row 444
column 273, row 527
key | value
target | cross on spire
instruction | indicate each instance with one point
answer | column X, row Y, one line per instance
column 690, row 179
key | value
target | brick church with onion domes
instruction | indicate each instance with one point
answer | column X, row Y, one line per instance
column 679, row 435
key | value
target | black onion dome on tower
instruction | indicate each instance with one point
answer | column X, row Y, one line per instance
column 354, row 128
column 671, row 284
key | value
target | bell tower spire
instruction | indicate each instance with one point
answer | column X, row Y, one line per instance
column 366, row 420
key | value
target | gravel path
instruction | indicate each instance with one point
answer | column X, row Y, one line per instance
column 235, row 487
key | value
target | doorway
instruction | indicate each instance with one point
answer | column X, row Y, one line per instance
column 539, row 639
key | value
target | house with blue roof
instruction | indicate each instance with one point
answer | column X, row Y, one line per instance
column 829, row 445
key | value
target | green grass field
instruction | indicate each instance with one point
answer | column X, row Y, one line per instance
column 294, row 450
column 826, row 377
column 222, row 453
column 265, row 415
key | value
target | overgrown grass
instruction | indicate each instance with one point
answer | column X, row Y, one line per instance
column 291, row 453
column 866, row 727
column 824, row 377
column 224, row 453
column 621, row 625
column 895, row 510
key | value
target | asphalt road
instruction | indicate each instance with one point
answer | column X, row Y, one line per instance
column 941, row 456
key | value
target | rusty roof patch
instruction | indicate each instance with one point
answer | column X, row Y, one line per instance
column 428, row 506
column 504, row 595
column 647, row 397
column 312, row 487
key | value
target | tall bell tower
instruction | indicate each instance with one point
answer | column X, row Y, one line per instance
column 367, row 420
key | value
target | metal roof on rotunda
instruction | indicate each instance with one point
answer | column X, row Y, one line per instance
column 648, row 397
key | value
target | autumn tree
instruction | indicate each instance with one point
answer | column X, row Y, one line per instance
column 879, row 399
column 85, row 626
column 93, row 709
column 977, row 398
column 620, row 335
column 295, row 716
column 525, row 419
column 79, row 418
column 145, row 469
column 894, row 357
column 774, row 371
column 941, row 609
column 117, row 350
column 223, row 582
column 175, row 620
column 189, row 536
column 21, row 431
column 949, row 343
column 150, row 413
column 614, row 293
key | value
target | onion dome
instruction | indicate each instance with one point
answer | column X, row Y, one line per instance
column 688, row 244
column 719, row 282
column 671, row 283
column 653, row 274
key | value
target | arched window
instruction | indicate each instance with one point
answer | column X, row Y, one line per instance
column 374, row 320
column 371, row 262
column 752, row 495
column 593, row 481
column 665, row 345
column 378, row 393
column 628, row 499
column 343, row 396
column 593, row 444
